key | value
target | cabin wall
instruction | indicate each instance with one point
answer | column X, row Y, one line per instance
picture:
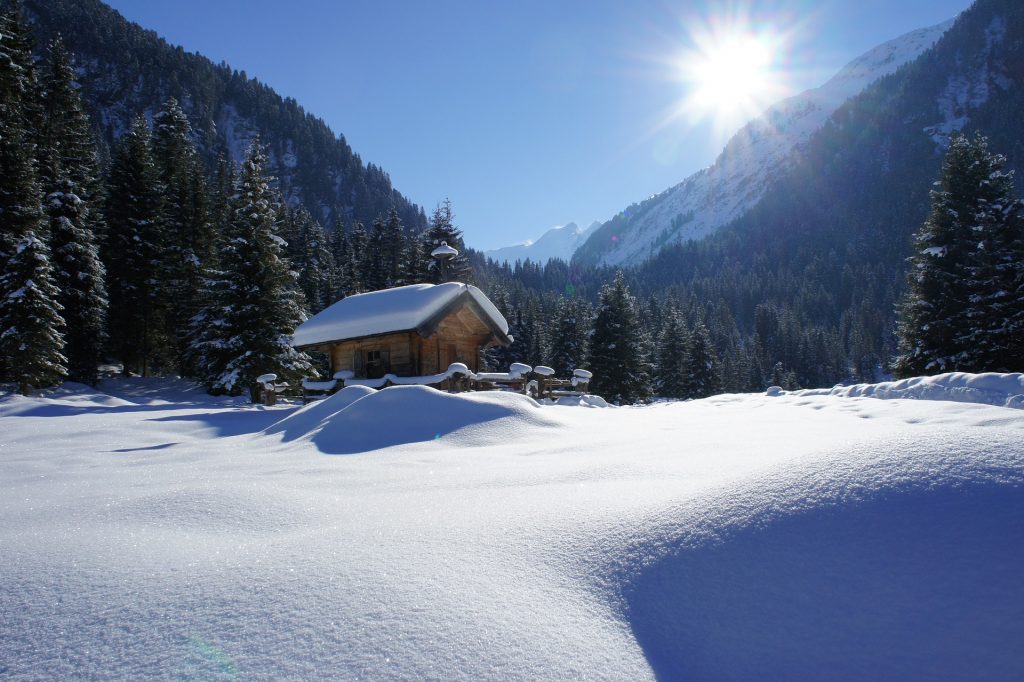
column 398, row 347
column 457, row 338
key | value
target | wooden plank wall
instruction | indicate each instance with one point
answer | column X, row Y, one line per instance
column 458, row 339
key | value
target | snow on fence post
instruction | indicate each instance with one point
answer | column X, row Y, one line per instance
column 543, row 373
column 266, row 383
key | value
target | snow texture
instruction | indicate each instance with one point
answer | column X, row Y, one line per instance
column 389, row 310
column 150, row 531
column 718, row 195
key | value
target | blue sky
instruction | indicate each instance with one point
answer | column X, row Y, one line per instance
column 526, row 114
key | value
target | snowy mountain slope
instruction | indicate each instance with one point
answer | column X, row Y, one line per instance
column 739, row 537
column 715, row 196
column 560, row 242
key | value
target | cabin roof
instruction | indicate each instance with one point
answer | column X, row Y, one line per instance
column 417, row 307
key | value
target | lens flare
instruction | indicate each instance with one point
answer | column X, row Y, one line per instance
column 731, row 72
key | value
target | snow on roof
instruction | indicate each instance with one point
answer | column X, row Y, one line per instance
column 389, row 310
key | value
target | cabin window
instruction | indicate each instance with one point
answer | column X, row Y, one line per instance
column 376, row 363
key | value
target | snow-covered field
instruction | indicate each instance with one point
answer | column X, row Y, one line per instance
column 150, row 531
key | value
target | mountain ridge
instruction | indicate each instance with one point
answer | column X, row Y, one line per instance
column 714, row 196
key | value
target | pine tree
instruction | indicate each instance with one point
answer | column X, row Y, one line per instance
column 80, row 280
column 20, row 192
column 357, row 258
column 939, row 313
column 621, row 370
column 311, row 257
column 135, row 243
column 259, row 298
column 673, row 358
column 69, row 178
column 995, row 337
column 185, row 224
column 443, row 230
column 31, row 328
column 703, row 375
column 393, row 252
column 570, row 343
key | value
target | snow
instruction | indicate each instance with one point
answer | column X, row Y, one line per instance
column 1006, row 390
column 311, row 385
column 150, row 531
column 389, row 310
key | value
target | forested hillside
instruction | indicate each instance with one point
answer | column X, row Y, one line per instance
column 124, row 70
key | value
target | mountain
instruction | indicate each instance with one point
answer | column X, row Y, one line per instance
column 739, row 178
column 125, row 70
column 559, row 242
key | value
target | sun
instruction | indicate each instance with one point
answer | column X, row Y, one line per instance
column 730, row 74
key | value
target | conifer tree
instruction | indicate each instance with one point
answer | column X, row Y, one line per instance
column 673, row 364
column 443, row 230
column 417, row 260
column 357, row 258
column 393, row 253
column 69, row 178
column 80, row 281
column 133, row 254
column 185, row 223
column 311, row 257
column 259, row 301
column 995, row 338
column 373, row 265
column 341, row 252
column 939, row 314
column 703, row 375
column 31, row 328
column 621, row 370
column 20, row 193
column 570, row 343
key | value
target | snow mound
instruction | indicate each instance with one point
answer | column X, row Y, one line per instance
column 900, row 561
column 312, row 416
column 401, row 415
column 991, row 388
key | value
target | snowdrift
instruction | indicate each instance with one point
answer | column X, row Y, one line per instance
column 1005, row 390
column 897, row 562
column 738, row 537
column 360, row 419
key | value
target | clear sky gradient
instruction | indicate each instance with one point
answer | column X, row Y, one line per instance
column 526, row 114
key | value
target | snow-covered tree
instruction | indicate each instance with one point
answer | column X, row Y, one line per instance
column 994, row 340
column 703, row 374
column 79, row 278
column 442, row 229
column 943, row 309
column 68, row 164
column 20, row 193
column 257, row 304
column 31, row 328
column 673, row 355
column 133, row 254
column 618, row 347
column 570, row 342
column 185, row 223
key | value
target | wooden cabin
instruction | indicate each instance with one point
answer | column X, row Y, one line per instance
column 416, row 330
